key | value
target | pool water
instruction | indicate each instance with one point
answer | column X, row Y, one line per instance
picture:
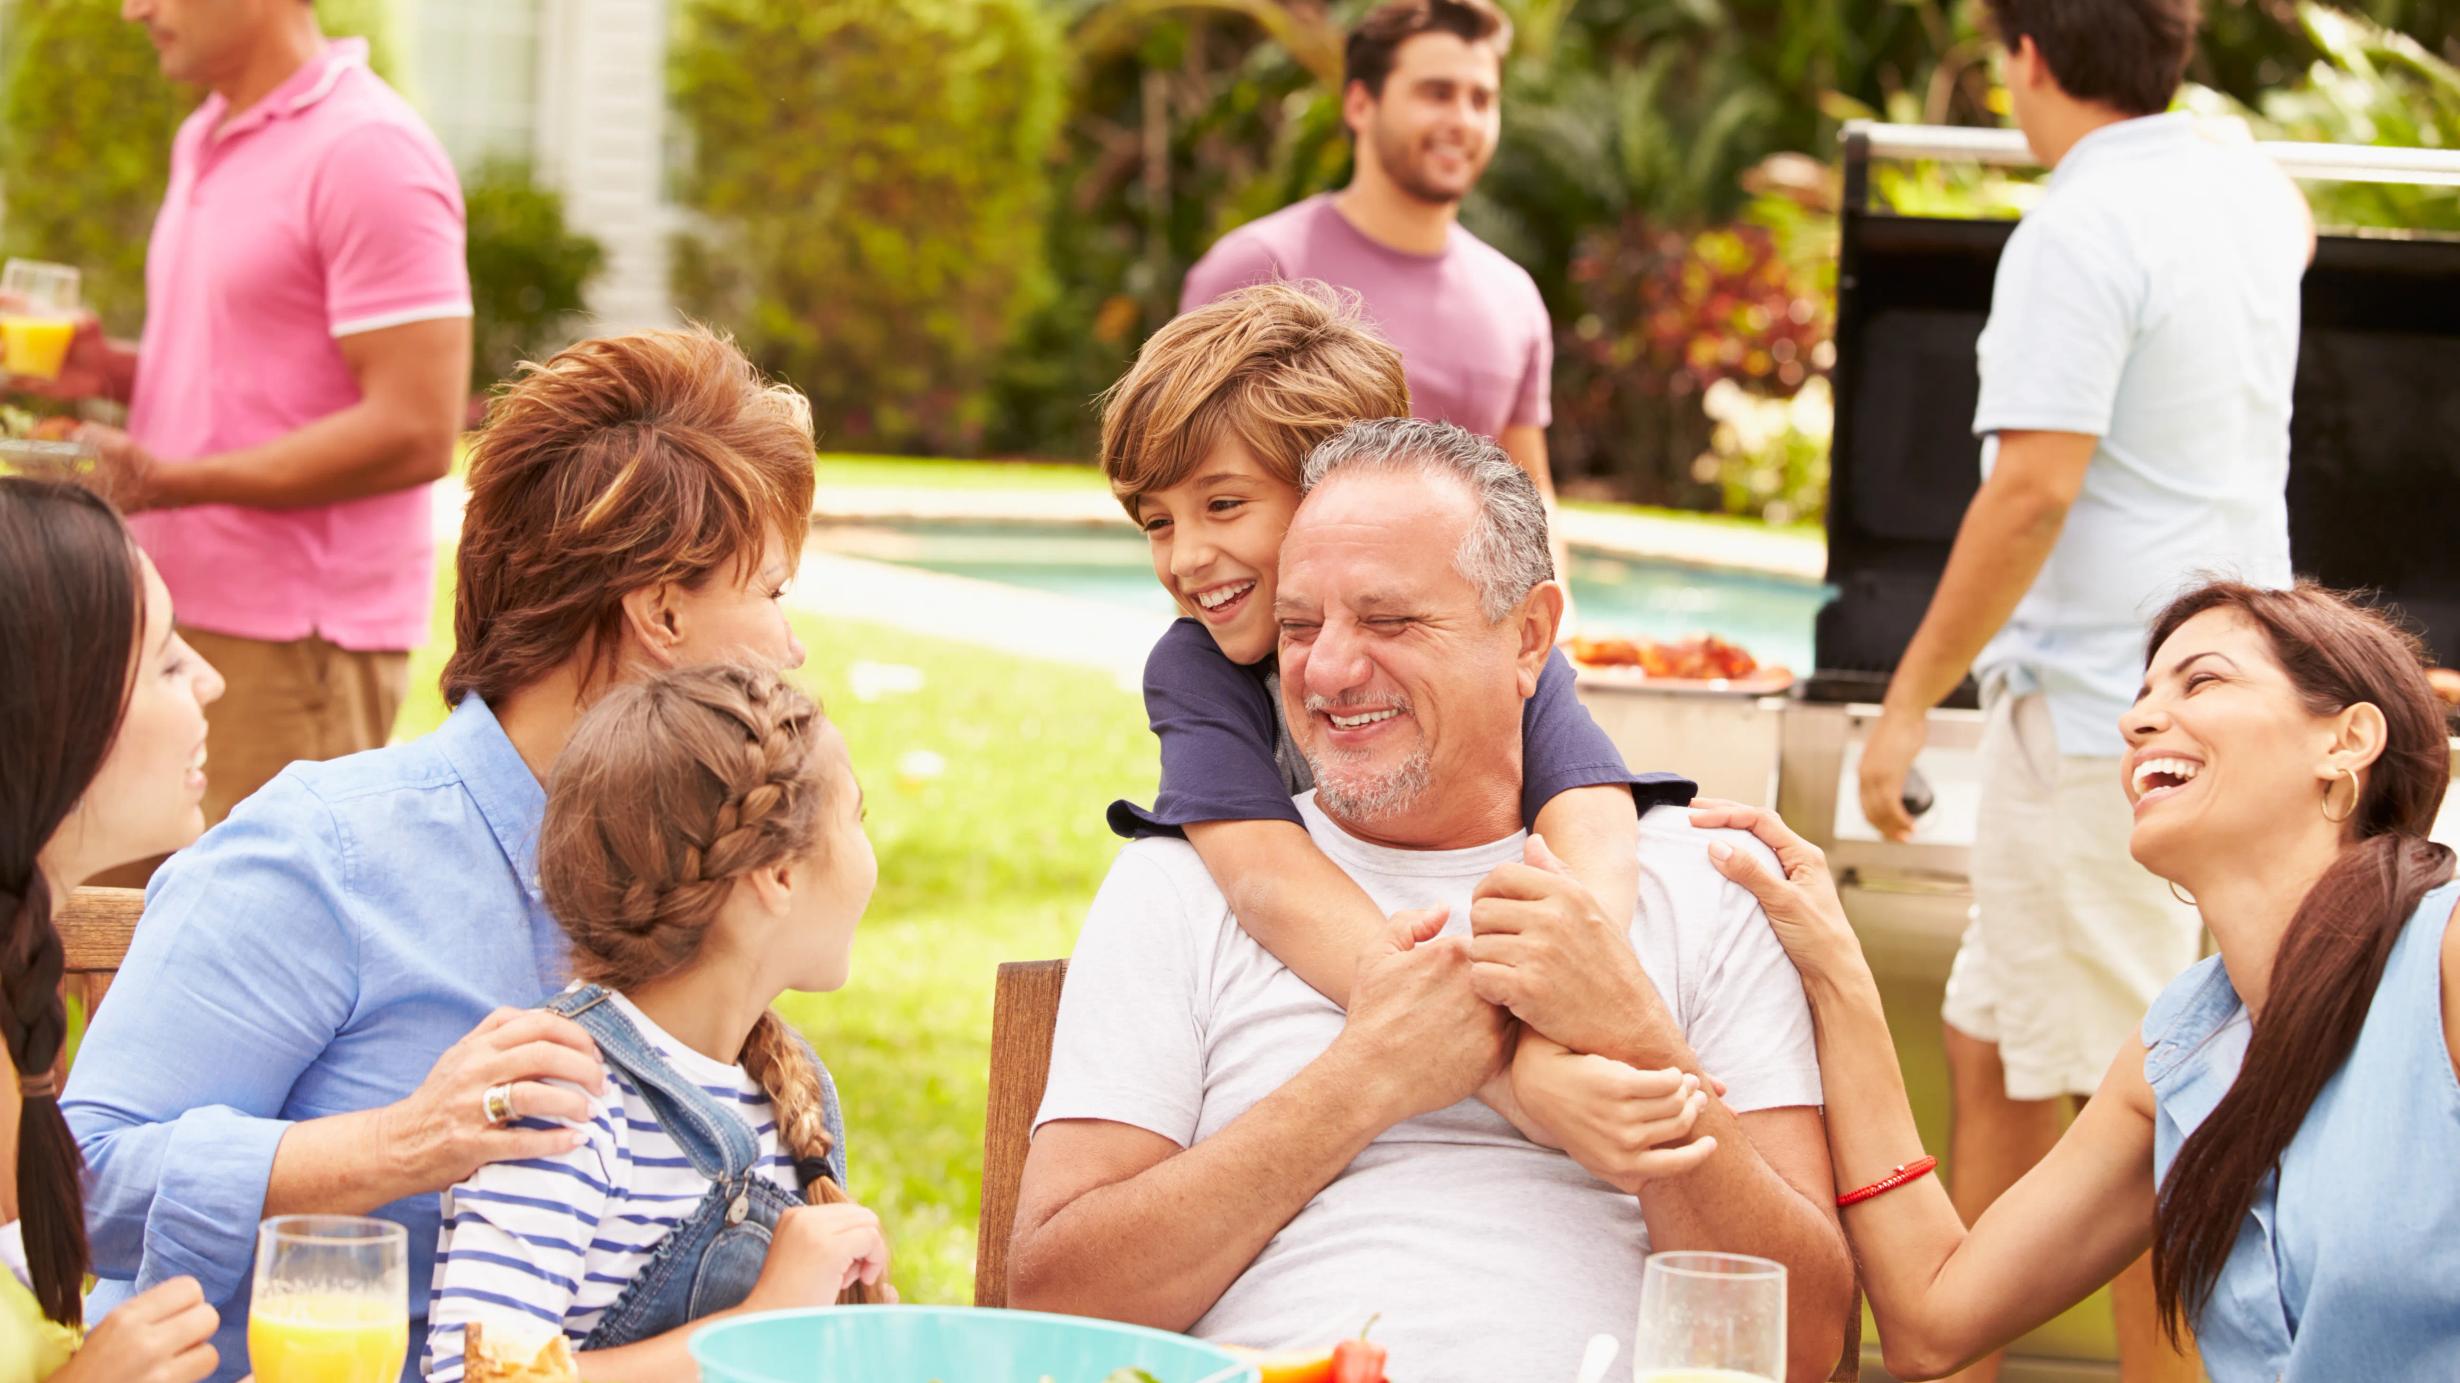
column 1769, row 615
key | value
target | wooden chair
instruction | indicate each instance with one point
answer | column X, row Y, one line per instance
column 95, row 929
column 1024, row 1011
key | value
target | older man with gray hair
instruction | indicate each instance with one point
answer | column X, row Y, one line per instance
column 1224, row 1151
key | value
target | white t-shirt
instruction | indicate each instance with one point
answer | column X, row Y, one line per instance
column 549, row 1244
column 1487, row 1256
column 2151, row 301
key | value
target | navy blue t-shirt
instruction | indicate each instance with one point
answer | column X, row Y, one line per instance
column 1226, row 754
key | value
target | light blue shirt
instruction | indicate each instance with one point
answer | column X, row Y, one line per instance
column 2348, row 1265
column 312, row 955
column 2150, row 301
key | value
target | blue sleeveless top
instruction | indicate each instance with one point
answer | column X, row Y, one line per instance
column 2349, row 1265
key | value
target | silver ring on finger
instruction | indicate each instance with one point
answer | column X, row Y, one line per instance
column 497, row 1104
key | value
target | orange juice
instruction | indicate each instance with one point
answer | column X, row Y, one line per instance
column 36, row 346
column 328, row 1337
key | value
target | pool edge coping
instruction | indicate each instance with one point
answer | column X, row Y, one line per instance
column 1788, row 556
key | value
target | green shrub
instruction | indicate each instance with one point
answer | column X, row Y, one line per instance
column 528, row 272
column 869, row 183
column 85, row 138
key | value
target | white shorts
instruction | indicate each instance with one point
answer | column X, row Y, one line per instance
column 2071, row 939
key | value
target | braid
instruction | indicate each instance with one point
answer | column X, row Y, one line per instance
column 669, row 792
column 34, row 1020
column 775, row 1059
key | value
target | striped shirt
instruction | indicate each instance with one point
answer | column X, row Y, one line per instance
column 550, row 1243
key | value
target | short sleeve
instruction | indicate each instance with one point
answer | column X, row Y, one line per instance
column 388, row 222
column 1742, row 1005
column 2063, row 316
column 1535, row 404
column 1129, row 1046
column 1237, row 260
column 515, row 1243
column 1216, row 724
column 1562, row 748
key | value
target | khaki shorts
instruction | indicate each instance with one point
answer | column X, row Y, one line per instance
column 2071, row 939
column 306, row 699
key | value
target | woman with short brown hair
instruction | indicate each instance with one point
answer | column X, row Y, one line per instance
column 326, row 1009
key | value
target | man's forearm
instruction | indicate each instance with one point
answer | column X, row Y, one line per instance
column 120, row 372
column 1161, row 1247
column 1737, row 1203
column 2006, row 536
column 365, row 449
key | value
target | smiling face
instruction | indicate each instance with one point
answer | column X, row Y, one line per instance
column 147, row 798
column 1433, row 128
column 1216, row 542
column 1392, row 678
column 2223, row 753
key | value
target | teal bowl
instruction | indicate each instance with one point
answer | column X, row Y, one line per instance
column 947, row 1344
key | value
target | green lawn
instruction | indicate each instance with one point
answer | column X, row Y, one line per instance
column 992, row 859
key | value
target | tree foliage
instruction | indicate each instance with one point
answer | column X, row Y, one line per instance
column 528, row 271
column 869, row 186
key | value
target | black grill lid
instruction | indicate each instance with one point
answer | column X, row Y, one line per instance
column 2374, row 475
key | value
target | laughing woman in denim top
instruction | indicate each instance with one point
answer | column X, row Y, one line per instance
column 2284, row 1131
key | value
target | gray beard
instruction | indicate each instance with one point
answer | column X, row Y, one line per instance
column 1350, row 794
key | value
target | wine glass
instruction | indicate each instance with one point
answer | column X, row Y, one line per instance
column 332, row 1300
column 1710, row 1318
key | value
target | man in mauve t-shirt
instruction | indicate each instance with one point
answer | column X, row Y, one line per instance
column 1422, row 98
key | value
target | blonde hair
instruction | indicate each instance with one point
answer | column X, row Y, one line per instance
column 622, row 462
column 670, row 791
column 1279, row 366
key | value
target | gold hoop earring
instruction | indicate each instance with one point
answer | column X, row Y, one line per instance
column 2174, row 893
column 2354, row 790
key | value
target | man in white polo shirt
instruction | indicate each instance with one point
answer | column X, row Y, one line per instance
column 2135, row 385
column 1223, row 1150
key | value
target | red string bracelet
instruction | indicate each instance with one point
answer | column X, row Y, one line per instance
column 1912, row 1171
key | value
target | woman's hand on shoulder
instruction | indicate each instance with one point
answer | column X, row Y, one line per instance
column 161, row 1335
column 440, row 1132
column 1802, row 903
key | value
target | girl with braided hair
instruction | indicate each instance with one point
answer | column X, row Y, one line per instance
column 102, row 746
column 704, row 851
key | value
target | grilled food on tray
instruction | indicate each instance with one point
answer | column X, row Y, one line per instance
column 1705, row 657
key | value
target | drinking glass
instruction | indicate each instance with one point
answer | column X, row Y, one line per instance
column 1710, row 1318
column 41, row 318
column 332, row 1300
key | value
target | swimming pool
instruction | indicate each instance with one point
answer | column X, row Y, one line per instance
column 1769, row 615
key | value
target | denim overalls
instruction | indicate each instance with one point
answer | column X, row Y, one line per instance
column 712, row 1257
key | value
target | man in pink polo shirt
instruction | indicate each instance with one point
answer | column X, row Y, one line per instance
column 1423, row 100
column 299, row 384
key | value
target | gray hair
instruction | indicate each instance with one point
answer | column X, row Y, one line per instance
column 1506, row 553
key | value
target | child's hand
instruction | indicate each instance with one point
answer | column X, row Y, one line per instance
column 816, row 1252
column 1618, row 1122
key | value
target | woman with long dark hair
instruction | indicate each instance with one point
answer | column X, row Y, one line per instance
column 2284, row 1130
column 102, row 743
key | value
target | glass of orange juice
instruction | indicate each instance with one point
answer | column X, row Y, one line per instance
column 41, row 317
column 332, row 1300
